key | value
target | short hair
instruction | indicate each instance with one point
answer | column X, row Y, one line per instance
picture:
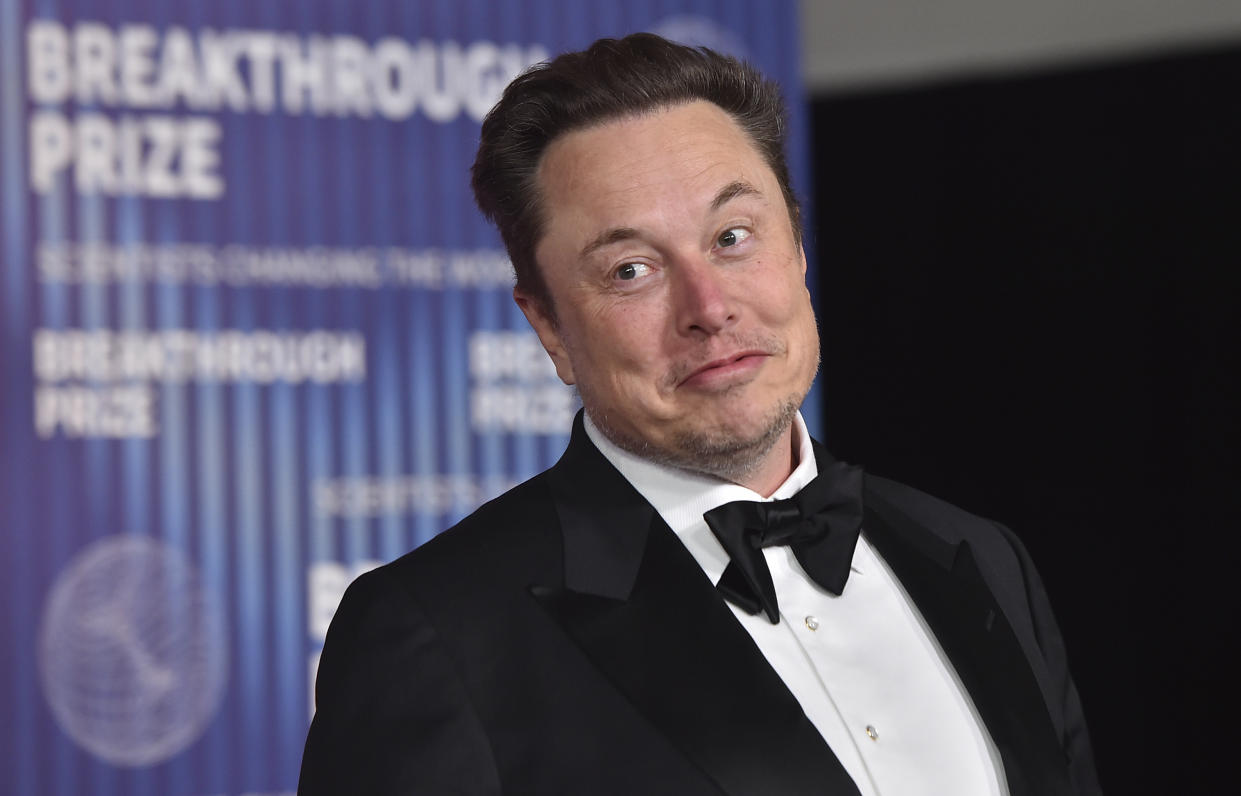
column 613, row 78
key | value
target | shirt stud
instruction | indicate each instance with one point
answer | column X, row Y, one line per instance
column 812, row 623
column 871, row 733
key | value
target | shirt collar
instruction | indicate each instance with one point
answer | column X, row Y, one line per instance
column 681, row 497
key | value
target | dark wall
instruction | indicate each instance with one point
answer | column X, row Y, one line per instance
column 1029, row 295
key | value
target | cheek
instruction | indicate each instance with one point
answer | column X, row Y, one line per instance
column 631, row 337
column 786, row 302
column 612, row 357
column 802, row 328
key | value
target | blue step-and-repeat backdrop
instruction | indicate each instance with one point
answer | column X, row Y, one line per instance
column 256, row 339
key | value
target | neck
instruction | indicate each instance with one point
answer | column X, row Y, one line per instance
column 774, row 468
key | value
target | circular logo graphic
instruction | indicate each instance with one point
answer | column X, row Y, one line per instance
column 132, row 651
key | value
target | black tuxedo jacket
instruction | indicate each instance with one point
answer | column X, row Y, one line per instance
column 561, row 640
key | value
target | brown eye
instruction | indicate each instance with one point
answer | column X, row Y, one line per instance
column 731, row 237
column 628, row 272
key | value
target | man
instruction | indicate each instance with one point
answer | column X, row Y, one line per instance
column 570, row 636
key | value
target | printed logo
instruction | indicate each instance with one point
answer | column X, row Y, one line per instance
column 132, row 651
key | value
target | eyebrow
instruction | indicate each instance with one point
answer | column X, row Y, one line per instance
column 607, row 238
column 617, row 234
column 731, row 191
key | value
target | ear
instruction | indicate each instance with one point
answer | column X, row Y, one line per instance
column 545, row 326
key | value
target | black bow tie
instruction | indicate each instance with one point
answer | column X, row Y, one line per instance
column 820, row 523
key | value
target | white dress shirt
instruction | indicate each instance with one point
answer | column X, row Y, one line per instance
column 866, row 669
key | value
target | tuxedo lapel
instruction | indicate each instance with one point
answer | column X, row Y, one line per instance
column 944, row 581
column 639, row 606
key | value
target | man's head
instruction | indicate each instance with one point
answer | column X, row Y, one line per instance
column 670, row 276
column 611, row 79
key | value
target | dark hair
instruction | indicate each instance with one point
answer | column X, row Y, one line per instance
column 613, row 78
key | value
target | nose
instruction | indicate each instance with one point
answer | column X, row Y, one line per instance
column 701, row 299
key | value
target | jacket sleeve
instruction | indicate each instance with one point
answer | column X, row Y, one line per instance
column 1076, row 738
column 392, row 716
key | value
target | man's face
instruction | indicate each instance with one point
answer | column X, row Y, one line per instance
column 681, row 311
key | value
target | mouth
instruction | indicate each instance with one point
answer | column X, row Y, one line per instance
column 725, row 371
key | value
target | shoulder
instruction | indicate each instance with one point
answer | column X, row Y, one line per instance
column 506, row 544
column 951, row 523
column 516, row 519
column 917, row 514
column 467, row 586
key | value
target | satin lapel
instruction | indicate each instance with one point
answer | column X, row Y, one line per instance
column 641, row 609
column 945, row 583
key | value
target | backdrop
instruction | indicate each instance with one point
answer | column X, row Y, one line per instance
column 1030, row 308
column 255, row 339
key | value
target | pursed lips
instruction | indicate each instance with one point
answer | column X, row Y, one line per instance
column 725, row 370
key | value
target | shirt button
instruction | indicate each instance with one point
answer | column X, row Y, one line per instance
column 871, row 733
column 812, row 623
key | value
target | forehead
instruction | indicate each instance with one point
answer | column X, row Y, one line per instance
column 682, row 152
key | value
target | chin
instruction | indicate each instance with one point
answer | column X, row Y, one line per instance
column 728, row 447
column 733, row 449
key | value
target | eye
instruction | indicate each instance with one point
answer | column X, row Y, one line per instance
column 628, row 272
column 732, row 236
